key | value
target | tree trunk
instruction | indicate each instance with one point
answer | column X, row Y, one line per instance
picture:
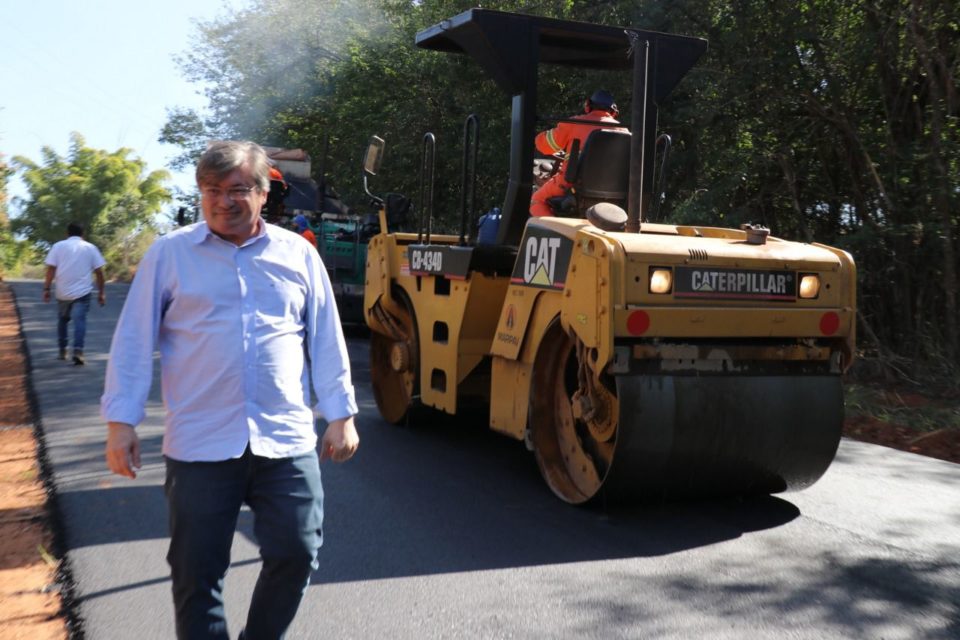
column 938, row 105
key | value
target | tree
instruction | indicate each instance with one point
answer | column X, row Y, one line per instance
column 5, row 173
column 186, row 129
column 13, row 253
column 270, row 70
column 108, row 193
column 836, row 121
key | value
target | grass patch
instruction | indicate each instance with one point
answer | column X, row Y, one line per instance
column 906, row 408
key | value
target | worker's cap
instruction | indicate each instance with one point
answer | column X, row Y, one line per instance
column 301, row 221
column 603, row 100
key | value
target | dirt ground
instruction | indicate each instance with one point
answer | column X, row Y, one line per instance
column 30, row 603
column 941, row 443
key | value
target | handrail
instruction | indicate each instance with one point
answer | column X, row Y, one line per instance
column 469, row 176
column 658, row 183
column 427, row 166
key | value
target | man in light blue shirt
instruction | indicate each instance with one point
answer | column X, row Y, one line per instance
column 244, row 317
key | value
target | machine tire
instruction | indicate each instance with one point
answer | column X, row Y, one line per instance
column 573, row 457
column 395, row 364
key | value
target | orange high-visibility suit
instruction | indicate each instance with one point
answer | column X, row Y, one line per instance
column 561, row 138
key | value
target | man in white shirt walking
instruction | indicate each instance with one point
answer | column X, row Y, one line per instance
column 69, row 264
column 244, row 317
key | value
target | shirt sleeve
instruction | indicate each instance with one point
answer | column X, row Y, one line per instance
column 555, row 140
column 130, row 367
column 96, row 258
column 326, row 347
column 547, row 142
column 52, row 257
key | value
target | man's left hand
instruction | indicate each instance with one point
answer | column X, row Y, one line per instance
column 340, row 440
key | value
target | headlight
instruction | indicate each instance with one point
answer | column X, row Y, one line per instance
column 661, row 280
column 809, row 286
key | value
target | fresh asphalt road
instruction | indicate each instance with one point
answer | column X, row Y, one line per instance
column 445, row 530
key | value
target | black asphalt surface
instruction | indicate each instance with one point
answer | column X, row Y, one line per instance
column 443, row 529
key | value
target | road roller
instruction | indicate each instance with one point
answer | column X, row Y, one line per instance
column 638, row 360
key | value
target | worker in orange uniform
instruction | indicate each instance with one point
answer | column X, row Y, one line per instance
column 598, row 108
column 273, row 211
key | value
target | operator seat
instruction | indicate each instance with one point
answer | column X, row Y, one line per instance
column 601, row 171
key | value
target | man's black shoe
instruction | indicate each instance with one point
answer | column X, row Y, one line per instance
column 78, row 358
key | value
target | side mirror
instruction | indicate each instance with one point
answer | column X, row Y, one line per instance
column 371, row 164
column 374, row 155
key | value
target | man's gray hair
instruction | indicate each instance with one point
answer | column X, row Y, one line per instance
column 224, row 156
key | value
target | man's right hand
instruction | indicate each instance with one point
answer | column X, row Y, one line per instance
column 123, row 449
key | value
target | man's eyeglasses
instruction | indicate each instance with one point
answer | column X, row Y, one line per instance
column 234, row 193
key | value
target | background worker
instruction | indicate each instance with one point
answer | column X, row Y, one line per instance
column 303, row 228
column 274, row 209
column 598, row 108
column 69, row 264
column 245, row 321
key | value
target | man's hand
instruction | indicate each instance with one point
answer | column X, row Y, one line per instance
column 48, row 282
column 101, row 297
column 340, row 440
column 123, row 449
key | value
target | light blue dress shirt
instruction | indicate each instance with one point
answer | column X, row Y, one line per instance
column 242, row 332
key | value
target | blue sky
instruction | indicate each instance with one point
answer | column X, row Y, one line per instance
column 103, row 68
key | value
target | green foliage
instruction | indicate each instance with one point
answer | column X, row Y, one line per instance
column 5, row 173
column 106, row 192
column 13, row 253
column 184, row 128
column 825, row 120
column 920, row 413
column 123, row 254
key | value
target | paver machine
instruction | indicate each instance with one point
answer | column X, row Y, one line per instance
column 637, row 360
column 342, row 242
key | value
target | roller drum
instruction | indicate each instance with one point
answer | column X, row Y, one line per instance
column 701, row 436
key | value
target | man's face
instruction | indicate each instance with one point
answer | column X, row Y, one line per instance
column 232, row 206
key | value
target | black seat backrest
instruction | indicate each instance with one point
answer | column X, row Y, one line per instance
column 602, row 172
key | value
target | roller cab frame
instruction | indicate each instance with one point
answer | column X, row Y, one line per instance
column 644, row 361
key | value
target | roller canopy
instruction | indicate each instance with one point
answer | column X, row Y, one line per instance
column 507, row 45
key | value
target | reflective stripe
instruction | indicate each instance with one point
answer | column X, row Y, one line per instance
column 552, row 142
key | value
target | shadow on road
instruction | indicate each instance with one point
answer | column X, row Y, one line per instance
column 451, row 496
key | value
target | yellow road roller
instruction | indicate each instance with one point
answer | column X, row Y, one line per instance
column 638, row 361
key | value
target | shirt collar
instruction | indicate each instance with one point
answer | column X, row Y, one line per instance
column 201, row 232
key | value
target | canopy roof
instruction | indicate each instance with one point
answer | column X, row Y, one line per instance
column 502, row 43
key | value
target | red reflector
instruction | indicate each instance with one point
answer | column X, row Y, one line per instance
column 638, row 323
column 829, row 323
